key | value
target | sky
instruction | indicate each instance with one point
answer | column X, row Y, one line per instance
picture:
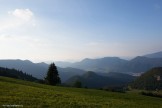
column 71, row 30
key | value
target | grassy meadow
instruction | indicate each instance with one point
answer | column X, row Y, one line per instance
column 34, row 95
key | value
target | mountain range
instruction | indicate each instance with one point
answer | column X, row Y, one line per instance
column 138, row 64
column 39, row 70
column 101, row 65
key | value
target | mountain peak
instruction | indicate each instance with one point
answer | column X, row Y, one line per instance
column 86, row 59
column 28, row 61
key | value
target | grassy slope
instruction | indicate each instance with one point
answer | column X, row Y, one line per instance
column 33, row 95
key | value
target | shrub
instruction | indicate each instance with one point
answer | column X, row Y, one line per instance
column 153, row 94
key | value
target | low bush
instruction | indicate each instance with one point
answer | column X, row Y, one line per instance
column 153, row 94
column 115, row 89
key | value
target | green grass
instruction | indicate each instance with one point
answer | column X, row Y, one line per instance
column 34, row 95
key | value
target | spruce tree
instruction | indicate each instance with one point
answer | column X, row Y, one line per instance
column 52, row 77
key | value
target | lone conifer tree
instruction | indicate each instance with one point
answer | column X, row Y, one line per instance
column 52, row 77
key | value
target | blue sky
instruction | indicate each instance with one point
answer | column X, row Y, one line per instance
column 47, row 30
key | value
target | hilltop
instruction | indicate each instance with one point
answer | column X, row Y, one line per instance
column 150, row 80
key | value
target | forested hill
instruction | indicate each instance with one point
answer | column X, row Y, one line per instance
column 13, row 73
column 151, row 80
column 93, row 80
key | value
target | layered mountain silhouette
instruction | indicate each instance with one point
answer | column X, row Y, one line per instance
column 106, row 64
column 141, row 64
column 94, row 80
column 138, row 64
column 39, row 70
column 102, row 65
column 66, row 73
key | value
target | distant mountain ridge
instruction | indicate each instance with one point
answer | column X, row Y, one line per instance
column 66, row 73
column 39, row 70
column 101, row 65
column 106, row 64
column 141, row 64
column 154, row 55
column 138, row 64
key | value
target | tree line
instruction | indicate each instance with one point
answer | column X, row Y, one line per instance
column 13, row 73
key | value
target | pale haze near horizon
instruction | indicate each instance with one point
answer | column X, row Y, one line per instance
column 65, row 30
